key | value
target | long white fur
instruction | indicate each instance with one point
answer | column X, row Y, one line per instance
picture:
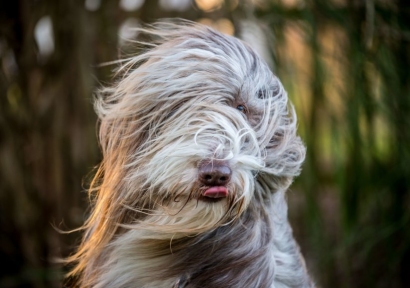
column 173, row 107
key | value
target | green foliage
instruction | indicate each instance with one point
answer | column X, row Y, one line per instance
column 359, row 147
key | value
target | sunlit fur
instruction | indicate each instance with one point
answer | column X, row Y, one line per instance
column 173, row 107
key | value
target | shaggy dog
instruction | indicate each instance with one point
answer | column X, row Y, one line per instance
column 199, row 146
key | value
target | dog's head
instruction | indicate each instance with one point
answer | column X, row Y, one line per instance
column 194, row 130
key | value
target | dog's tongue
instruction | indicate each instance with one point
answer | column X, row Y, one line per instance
column 216, row 192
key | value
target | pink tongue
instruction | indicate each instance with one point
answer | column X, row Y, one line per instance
column 216, row 192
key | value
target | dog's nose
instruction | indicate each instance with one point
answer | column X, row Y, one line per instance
column 214, row 173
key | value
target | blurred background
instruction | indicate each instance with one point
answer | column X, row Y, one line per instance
column 344, row 63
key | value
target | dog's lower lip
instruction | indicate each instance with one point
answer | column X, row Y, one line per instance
column 216, row 192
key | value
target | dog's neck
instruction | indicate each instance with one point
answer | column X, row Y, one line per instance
column 255, row 250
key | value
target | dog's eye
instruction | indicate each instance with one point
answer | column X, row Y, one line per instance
column 241, row 108
column 260, row 94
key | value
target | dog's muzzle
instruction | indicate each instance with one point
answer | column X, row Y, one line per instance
column 214, row 175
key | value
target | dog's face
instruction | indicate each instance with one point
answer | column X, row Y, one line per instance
column 196, row 129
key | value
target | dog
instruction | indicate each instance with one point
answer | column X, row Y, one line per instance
column 199, row 147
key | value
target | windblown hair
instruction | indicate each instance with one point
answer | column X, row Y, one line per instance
column 196, row 96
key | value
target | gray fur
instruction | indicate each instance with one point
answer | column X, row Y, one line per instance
column 172, row 108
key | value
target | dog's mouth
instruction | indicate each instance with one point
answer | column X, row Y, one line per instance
column 215, row 193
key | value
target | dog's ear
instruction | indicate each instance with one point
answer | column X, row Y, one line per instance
column 119, row 138
column 122, row 136
column 285, row 151
column 285, row 163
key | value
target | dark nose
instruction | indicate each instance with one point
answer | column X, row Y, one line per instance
column 214, row 173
